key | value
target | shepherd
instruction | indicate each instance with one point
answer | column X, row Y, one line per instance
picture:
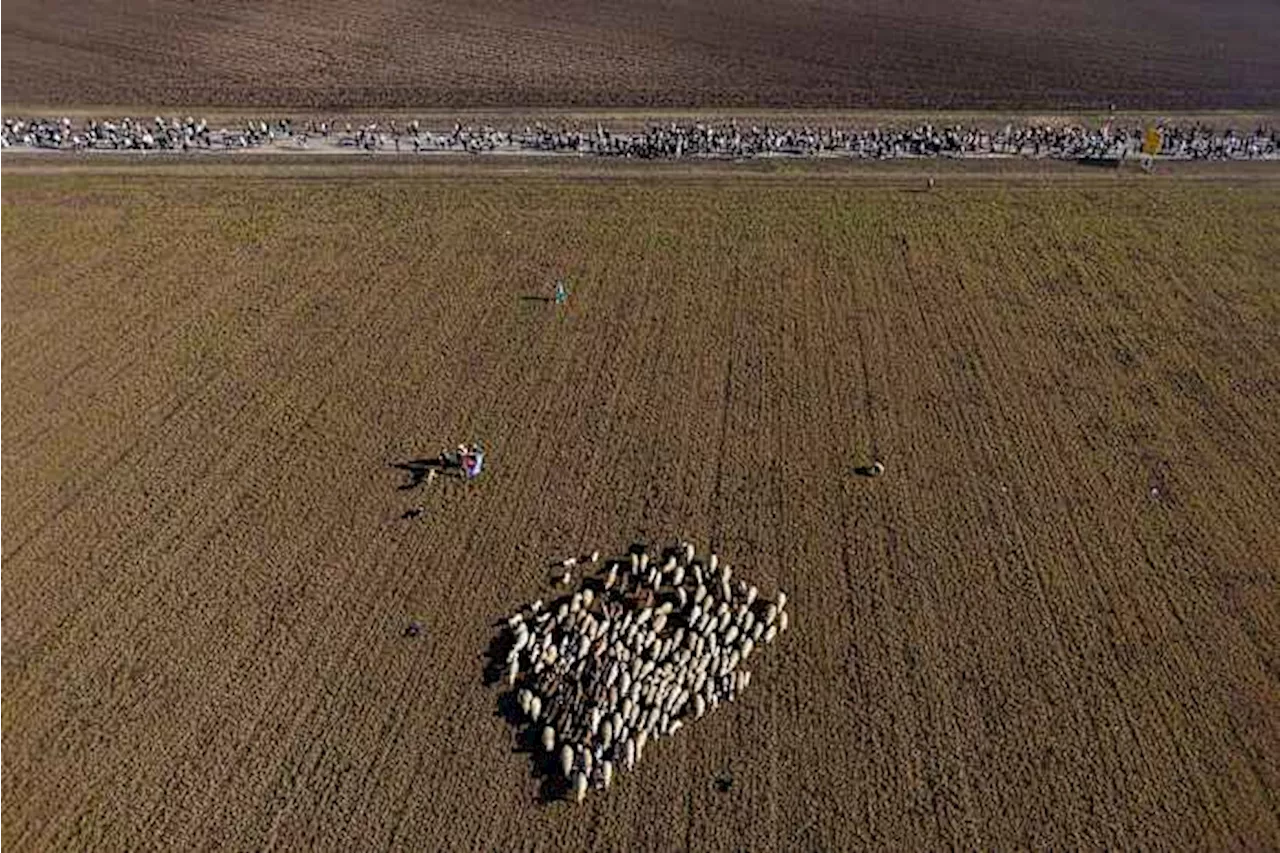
column 472, row 461
column 562, row 292
column 466, row 461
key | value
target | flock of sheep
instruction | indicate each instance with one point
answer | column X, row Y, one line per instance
column 730, row 140
column 639, row 649
column 1058, row 142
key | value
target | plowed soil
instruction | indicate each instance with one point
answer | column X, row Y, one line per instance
column 1173, row 54
column 1053, row 621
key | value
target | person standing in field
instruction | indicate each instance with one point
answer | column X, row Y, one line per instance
column 562, row 292
column 476, row 462
column 471, row 460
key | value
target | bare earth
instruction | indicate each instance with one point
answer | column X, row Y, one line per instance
column 1052, row 623
column 330, row 54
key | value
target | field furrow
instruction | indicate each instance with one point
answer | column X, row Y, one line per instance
column 1050, row 623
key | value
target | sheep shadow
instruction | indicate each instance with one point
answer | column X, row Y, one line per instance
column 867, row 471
column 544, row 766
column 526, row 739
column 496, row 655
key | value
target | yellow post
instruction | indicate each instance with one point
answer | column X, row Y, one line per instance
column 1151, row 142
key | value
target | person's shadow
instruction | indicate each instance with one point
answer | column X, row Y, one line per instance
column 419, row 469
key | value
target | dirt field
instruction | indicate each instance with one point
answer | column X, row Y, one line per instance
column 1172, row 54
column 1053, row 622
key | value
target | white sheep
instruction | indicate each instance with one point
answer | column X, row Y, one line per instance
column 566, row 761
column 611, row 674
column 606, row 732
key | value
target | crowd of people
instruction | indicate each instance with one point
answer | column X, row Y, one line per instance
column 729, row 140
